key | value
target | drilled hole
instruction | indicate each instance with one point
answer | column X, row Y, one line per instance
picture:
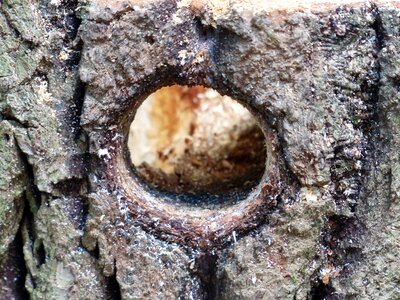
column 193, row 140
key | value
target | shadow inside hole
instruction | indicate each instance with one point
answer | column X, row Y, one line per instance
column 192, row 145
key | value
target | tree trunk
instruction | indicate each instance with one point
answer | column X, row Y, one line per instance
column 323, row 82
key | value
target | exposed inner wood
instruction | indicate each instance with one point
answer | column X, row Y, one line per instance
column 192, row 139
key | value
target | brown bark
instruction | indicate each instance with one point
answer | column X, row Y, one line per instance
column 322, row 80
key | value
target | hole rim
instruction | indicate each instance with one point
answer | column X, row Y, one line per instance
column 173, row 196
column 195, row 228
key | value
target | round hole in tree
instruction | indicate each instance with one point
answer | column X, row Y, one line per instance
column 192, row 140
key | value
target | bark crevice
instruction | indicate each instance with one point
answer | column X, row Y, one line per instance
column 113, row 287
column 206, row 270
column 13, row 271
column 344, row 235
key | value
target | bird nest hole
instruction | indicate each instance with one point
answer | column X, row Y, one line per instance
column 194, row 142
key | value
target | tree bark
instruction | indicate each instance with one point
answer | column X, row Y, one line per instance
column 322, row 80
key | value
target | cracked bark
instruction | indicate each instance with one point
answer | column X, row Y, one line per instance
column 324, row 79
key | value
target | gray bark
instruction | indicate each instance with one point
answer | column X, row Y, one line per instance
column 324, row 83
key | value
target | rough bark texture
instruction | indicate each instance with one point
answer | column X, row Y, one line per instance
column 324, row 83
